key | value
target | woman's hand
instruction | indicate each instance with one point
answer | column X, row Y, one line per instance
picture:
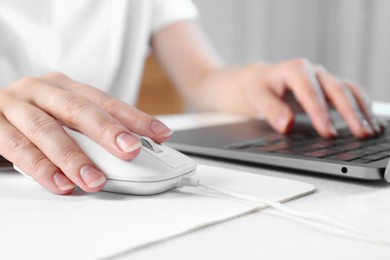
column 313, row 89
column 32, row 112
column 278, row 91
column 261, row 88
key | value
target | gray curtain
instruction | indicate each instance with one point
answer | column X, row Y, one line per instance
column 350, row 37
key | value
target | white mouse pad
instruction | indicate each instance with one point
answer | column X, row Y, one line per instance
column 35, row 224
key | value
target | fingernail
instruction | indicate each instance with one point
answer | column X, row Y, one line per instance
column 367, row 126
column 331, row 128
column 92, row 177
column 62, row 182
column 160, row 129
column 282, row 121
column 128, row 143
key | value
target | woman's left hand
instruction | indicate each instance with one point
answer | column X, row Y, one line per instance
column 259, row 87
column 315, row 90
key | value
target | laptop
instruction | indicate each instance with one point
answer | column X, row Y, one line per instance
column 303, row 149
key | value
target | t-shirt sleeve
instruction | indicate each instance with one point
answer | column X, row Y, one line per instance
column 166, row 12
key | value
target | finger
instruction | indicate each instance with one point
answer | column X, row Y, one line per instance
column 50, row 138
column 302, row 80
column 365, row 105
column 275, row 111
column 132, row 118
column 383, row 123
column 343, row 100
column 356, row 108
column 15, row 147
column 80, row 113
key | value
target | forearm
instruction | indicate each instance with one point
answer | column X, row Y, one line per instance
column 200, row 75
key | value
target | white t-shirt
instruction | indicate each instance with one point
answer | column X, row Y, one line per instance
column 99, row 42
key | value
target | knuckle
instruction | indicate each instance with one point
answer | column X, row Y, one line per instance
column 24, row 82
column 23, row 151
column 75, row 104
column 42, row 125
column 299, row 63
column 55, row 75
column 105, row 125
column 140, row 119
column 19, row 143
column 71, row 155
column 4, row 95
column 107, row 103
column 40, row 167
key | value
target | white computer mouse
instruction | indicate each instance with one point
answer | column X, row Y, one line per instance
column 156, row 169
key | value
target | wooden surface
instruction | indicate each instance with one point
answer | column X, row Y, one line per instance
column 157, row 94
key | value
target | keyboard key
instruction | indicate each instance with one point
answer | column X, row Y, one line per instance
column 352, row 145
column 248, row 144
column 273, row 147
column 375, row 157
column 318, row 145
column 320, row 153
column 347, row 156
column 385, row 153
column 360, row 160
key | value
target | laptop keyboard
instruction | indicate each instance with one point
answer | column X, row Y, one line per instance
column 343, row 148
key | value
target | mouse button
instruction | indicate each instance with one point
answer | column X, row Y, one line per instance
column 150, row 144
column 172, row 161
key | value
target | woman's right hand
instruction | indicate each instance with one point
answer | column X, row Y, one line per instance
column 32, row 112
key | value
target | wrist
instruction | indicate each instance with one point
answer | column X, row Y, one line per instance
column 227, row 89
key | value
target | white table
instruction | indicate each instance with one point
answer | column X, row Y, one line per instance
column 267, row 235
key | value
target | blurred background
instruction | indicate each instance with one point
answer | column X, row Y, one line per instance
column 350, row 37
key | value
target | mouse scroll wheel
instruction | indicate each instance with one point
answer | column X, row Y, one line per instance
column 150, row 144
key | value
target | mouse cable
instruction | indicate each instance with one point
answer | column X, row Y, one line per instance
column 306, row 217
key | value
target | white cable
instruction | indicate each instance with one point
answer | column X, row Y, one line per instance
column 306, row 217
